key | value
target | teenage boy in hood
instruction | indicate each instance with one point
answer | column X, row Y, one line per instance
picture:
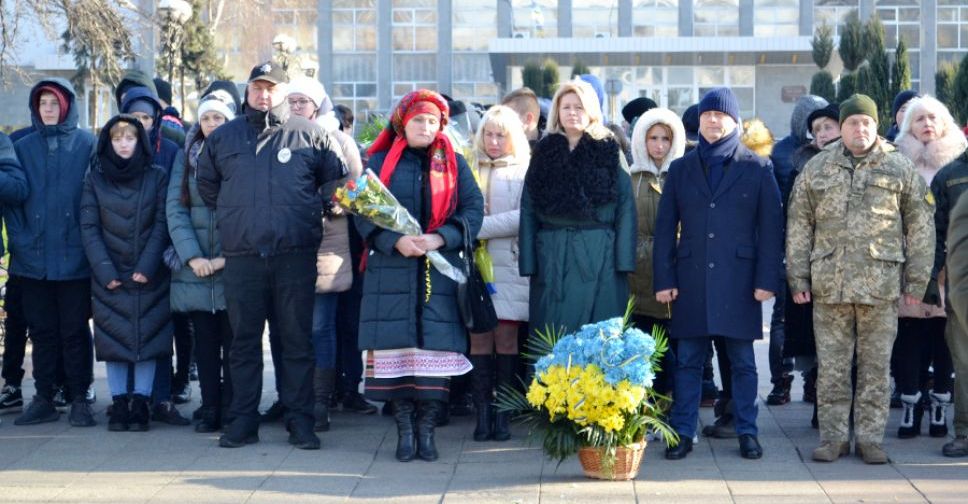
column 137, row 79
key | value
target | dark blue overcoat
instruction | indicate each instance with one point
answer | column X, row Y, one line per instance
column 730, row 243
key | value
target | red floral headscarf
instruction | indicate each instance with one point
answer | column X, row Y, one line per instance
column 443, row 161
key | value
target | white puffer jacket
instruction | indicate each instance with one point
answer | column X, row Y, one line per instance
column 502, row 182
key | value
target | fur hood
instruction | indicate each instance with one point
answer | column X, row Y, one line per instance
column 757, row 137
column 932, row 156
column 798, row 120
column 640, row 154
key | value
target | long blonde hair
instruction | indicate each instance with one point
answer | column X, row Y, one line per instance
column 589, row 101
column 508, row 121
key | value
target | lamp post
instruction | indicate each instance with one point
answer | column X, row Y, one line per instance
column 173, row 14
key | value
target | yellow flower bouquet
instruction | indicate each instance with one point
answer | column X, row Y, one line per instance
column 592, row 388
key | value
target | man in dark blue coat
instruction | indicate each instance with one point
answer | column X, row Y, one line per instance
column 45, row 249
column 261, row 173
column 727, row 261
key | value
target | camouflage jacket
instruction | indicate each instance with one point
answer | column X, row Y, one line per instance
column 860, row 235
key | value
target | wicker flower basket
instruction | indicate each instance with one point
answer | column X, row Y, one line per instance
column 626, row 466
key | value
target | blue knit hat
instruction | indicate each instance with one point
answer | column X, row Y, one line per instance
column 899, row 101
column 720, row 99
column 690, row 120
column 597, row 86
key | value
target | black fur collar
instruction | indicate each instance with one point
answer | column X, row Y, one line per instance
column 573, row 184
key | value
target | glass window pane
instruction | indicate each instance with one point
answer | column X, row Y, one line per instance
column 710, row 76
column 742, row 76
column 911, row 35
column 365, row 89
column 679, row 75
column 403, row 39
column 343, row 39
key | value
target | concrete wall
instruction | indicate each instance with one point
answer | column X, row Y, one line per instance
column 770, row 80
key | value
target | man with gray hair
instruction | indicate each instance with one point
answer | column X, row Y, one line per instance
column 262, row 174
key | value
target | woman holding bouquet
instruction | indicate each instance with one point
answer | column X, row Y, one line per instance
column 502, row 161
column 409, row 321
column 578, row 219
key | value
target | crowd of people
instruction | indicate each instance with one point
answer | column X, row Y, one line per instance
column 184, row 242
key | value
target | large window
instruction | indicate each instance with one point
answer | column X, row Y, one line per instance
column 414, row 25
column 534, row 18
column 716, row 18
column 655, row 18
column 475, row 23
column 594, row 18
column 776, row 18
column 902, row 20
column 834, row 13
column 952, row 24
column 354, row 56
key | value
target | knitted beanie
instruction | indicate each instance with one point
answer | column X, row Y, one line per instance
column 219, row 101
column 637, row 107
column 720, row 99
column 164, row 89
column 858, row 104
column 899, row 101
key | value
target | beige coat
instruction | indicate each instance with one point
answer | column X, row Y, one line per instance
column 502, row 185
column 334, row 270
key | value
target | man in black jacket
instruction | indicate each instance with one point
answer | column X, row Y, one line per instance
column 262, row 172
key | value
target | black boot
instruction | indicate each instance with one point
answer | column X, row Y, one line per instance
column 139, row 413
column 810, row 386
column 911, row 413
column 403, row 413
column 120, row 414
column 427, row 412
column 506, row 366
column 483, row 395
column 208, row 420
column 324, row 381
column 814, row 422
column 781, row 391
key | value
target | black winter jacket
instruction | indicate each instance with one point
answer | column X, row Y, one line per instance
column 124, row 231
column 947, row 186
column 261, row 173
column 394, row 313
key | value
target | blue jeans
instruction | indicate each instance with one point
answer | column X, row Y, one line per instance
column 690, row 356
column 324, row 329
column 144, row 375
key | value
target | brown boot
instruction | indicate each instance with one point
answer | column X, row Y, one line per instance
column 872, row 453
column 830, row 451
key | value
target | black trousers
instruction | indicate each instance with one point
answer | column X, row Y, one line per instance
column 285, row 284
column 182, row 325
column 213, row 345
column 349, row 363
column 15, row 332
column 920, row 344
column 57, row 315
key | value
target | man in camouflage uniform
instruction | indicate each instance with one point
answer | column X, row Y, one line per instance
column 860, row 232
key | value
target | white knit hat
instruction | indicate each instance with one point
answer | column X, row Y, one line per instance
column 220, row 101
column 314, row 90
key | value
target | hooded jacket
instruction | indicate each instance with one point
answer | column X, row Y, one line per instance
column 13, row 183
column 166, row 152
column 43, row 233
column 782, row 156
column 647, row 181
column 262, row 173
column 124, row 231
column 137, row 79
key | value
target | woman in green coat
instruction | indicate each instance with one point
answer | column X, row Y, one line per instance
column 658, row 139
column 578, row 223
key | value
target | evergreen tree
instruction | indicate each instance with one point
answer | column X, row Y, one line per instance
column 852, row 48
column 901, row 74
column 960, row 93
column 579, row 68
column 944, row 81
column 551, row 78
column 822, row 85
column 533, row 77
column 200, row 62
column 879, row 78
column 822, row 45
column 847, row 86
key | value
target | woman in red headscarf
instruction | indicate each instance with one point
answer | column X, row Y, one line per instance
column 409, row 320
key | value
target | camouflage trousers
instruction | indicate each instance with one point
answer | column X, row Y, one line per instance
column 841, row 329
column 957, row 341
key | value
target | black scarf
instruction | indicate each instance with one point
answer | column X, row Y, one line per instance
column 114, row 167
column 573, row 184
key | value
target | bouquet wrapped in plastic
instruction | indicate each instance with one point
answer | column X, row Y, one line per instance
column 368, row 198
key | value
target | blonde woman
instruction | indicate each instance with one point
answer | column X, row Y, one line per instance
column 502, row 153
column 578, row 223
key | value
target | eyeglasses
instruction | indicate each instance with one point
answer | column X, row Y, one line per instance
column 299, row 102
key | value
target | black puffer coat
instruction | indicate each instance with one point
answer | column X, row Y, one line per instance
column 124, row 232
column 394, row 313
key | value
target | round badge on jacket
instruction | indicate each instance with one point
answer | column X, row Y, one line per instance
column 284, row 155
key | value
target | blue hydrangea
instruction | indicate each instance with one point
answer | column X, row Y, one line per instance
column 622, row 355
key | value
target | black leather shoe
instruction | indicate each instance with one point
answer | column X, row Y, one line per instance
column 301, row 435
column 237, row 435
column 749, row 447
column 680, row 450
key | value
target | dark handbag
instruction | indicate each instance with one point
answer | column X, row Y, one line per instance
column 473, row 299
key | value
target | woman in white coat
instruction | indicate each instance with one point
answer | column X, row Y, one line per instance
column 502, row 162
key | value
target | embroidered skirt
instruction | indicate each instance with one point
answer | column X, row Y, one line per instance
column 412, row 373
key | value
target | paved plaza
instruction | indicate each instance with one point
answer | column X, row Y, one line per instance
column 57, row 463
